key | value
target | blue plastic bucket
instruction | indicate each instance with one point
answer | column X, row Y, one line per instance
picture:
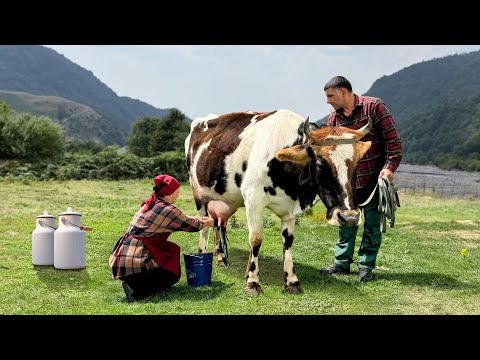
column 198, row 268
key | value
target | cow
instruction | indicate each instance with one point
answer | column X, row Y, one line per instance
column 274, row 160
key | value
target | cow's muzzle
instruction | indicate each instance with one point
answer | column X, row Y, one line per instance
column 344, row 218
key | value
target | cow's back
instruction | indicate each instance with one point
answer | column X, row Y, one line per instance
column 222, row 151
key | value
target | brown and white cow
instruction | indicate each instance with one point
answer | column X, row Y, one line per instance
column 271, row 160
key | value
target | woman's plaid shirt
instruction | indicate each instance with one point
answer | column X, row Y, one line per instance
column 129, row 254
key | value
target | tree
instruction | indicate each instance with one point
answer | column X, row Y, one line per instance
column 4, row 109
column 12, row 133
column 5, row 112
column 140, row 141
column 43, row 138
column 33, row 137
column 172, row 132
column 152, row 136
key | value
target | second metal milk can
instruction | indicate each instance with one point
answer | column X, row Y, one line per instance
column 70, row 241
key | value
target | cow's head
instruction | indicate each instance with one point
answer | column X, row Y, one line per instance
column 331, row 156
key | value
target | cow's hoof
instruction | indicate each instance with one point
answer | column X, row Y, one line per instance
column 221, row 265
column 293, row 289
column 253, row 289
column 221, row 261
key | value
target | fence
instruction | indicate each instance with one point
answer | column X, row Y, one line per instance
column 427, row 179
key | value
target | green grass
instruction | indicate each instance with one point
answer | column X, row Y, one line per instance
column 420, row 269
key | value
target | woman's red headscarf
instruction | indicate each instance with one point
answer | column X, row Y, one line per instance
column 164, row 185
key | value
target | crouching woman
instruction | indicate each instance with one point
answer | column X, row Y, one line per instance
column 143, row 258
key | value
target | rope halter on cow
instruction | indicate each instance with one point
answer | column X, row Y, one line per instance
column 388, row 202
column 331, row 142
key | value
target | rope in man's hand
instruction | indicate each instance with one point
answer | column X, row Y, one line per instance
column 388, row 202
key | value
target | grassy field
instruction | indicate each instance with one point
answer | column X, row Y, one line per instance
column 428, row 264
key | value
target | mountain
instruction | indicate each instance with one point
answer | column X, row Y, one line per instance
column 426, row 85
column 38, row 70
column 79, row 121
column 436, row 105
column 447, row 135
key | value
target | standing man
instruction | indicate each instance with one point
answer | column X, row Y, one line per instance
column 382, row 159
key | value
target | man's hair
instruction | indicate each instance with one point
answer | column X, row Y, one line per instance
column 338, row 82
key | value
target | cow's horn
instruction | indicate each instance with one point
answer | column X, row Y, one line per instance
column 306, row 127
column 366, row 129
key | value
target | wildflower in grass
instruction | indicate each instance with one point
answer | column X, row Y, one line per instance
column 320, row 217
column 463, row 252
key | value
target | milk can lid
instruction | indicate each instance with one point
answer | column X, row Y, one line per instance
column 45, row 215
column 70, row 212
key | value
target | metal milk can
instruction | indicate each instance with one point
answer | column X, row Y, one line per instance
column 42, row 239
column 70, row 241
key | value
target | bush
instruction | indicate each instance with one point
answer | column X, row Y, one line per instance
column 25, row 136
column 105, row 165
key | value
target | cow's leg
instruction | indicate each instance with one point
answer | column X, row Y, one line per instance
column 292, row 284
column 255, row 223
column 221, row 258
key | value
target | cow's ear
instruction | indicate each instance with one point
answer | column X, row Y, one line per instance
column 362, row 147
column 295, row 154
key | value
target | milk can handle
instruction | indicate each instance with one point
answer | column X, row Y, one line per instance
column 81, row 227
column 42, row 224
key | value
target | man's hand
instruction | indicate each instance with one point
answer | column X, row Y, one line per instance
column 388, row 173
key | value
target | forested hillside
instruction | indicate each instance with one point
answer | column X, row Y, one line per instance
column 422, row 87
column 447, row 136
column 80, row 121
column 39, row 70
column 436, row 105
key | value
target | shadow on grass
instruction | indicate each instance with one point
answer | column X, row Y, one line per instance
column 186, row 292
column 57, row 279
column 271, row 273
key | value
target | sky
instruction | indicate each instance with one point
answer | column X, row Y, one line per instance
column 202, row 79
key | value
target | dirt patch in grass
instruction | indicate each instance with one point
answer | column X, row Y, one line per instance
column 468, row 222
column 467, row 235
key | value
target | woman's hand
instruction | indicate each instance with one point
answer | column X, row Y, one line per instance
column 208, row 221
